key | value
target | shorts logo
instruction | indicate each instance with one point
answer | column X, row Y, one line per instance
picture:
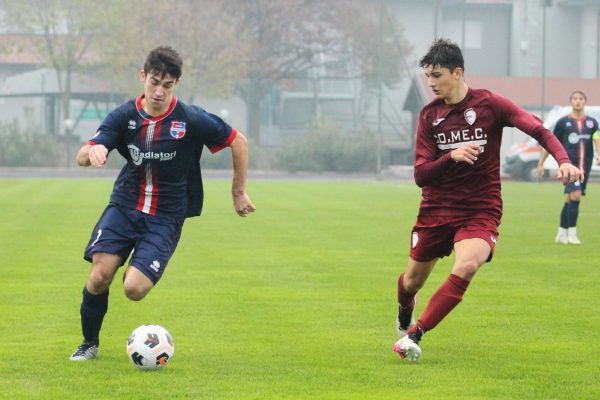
column 97, row 238
column 177, row 129
column 493, row 239
column 155, row 265
column 415, row 239
column 470, row 116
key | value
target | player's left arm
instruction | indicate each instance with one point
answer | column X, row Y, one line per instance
column 239, row 153
column 533, row 126
column 596, row 137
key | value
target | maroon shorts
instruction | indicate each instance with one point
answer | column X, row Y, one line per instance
column 434, row 236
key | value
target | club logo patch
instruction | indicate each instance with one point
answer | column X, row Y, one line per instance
column 589, row 123
column 470, row 116
column 177, row 129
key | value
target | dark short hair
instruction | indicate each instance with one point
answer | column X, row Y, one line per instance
column 443, row 53
column 577, row 92
column 164, row 60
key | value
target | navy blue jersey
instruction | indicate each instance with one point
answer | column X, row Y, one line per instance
column 576, row 135
column 162, row 174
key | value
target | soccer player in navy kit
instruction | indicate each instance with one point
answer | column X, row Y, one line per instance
column 160, row 185
column 457, row 163
column 577, row 132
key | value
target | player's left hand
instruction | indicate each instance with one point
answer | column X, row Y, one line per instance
column 569, row 173
column 243, row 205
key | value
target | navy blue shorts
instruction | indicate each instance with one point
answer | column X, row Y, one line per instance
column 152, row 239
column 572, row 187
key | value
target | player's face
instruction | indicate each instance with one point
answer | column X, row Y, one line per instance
column 158, row 91
column 577, row 102
column 443, row 82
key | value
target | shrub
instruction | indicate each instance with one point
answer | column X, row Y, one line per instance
column 28, row 148
column 330, row 150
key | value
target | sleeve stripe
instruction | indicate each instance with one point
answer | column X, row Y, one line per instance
column 228, row 142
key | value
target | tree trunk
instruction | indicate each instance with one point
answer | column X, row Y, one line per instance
column 253, row 117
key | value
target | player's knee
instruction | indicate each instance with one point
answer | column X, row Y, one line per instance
column 413, row 283
column 135, row 293
column 466, row 269
column 99, row 280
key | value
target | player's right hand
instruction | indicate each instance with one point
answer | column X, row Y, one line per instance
column 569, row 173
column 540, row 170
column 466, row 154
column 97, row 155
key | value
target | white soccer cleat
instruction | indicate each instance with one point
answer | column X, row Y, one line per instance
column 407, row 348
column 572, row 236
column 562, row 239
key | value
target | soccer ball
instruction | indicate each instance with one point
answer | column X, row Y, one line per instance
column 150, row 347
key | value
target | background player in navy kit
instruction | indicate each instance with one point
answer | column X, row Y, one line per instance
column 162, row 140
column 457, row 163
column 576, row 132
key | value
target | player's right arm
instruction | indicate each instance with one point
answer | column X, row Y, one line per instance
column 429, row 165
column 92, row 154
column 108, row 135
column 540, row 165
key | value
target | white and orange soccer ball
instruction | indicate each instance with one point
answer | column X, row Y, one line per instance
column 150, row 347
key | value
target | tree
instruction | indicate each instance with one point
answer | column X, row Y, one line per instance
column 214, row 60
column 286, row 36
column 63, row 32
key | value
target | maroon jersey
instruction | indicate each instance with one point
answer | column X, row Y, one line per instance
column 456, row 188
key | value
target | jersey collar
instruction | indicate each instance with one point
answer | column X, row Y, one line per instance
column 138, row 105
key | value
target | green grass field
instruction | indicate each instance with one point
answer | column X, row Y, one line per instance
column 298, row 300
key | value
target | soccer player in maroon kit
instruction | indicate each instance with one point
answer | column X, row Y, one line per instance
column 457, row 163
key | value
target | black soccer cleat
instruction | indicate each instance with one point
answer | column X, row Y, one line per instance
column 85, row 351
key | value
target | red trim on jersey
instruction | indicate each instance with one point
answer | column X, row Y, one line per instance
column 155, row 171
column 581, row 145
column 227, row 143
column 140, row 108
column 142, row 174
column 92, row 143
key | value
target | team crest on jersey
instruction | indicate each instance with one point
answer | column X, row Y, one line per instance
column 470, row 116
column 177, row 129
column 589, row 123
